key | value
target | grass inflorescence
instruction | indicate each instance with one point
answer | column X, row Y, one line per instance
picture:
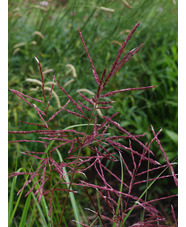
column 86, row 148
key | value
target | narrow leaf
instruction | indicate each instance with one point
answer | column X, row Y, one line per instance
column 25, row 211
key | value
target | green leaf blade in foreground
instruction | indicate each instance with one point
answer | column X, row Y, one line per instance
column 11, row 199
column 72, row 198
column 25, row 211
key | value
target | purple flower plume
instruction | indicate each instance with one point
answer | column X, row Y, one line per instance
column 100, row 142
column 91, row 63
column 115, row 63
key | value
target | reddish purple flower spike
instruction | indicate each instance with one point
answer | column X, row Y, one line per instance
column 31, row 141
column 126, row 58
column 100, row 87
column 91, row 63
column 152, row 179
column 18, row 174
column 34, row 156
column 87, row 108
column 40, row 116
column 126, row 89
column 70, row 98
column 165, row 156
column 133, row 159
column 18, row 92
column 132, row 137
column 115, row 64
column 43, row 181
column 114, row 176
column 104, row 107
column 86, row 99
column 29, row 123
column 32, row 188
column 74, row 113
column 33, row 175
column 28, row 132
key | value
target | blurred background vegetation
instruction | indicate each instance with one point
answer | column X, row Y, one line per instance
column 49, row 31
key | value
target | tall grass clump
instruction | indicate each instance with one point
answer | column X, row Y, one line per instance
column 77, row 159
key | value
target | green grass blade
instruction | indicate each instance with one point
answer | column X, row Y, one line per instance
column 15, row 208
column 83, row 215
column 94, row 221
column 55, row 217
column 25, row 211
column 45, row 208
column 31, row 221
column 58, row 206
column 64, row 220
column 71, row 194
column 79, row 125
column 11, row 197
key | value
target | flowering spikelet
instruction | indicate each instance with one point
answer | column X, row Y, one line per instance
column 40, row 116
column 91, row 63
column 20, row 96
column 87, row 108
column 30, row 123
column 18, row 92
column 126, row 89
column 86, row 99
column 115, row 63
column 165, row 156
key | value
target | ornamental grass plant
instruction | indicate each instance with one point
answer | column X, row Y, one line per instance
column 78, row 158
